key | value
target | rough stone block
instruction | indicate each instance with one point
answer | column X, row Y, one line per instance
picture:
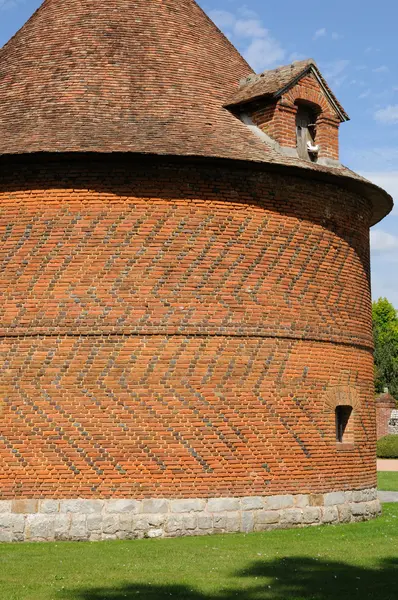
column 358, row 508
column 373, row 494
column 301, row 501
column 78, row 530
column 140, row 522
column 220, row 521
column 267, row 517
column 205, row 521
column 233, row 522
column 223, row 504
column 364, row 495
column 82, row 507
column 61, row 526
column 5, row 535
column 190, row 521
column 175, row 523
column 183, row 506
column 94, row 522
column 311, row 514
column 344, row 513
column 247, row 521
column 292, row 516
column 155, row 533
column 279, row 502
column 18, row 523
column 334, row 498
column 110, row 524
column 48, row 506
column 5, row 506
column 316, row 499
column 126, row 522
column 123, row 506
column 39, row 527
column 155, row 506
column 156, row 520
column 24, row 506
column 252, row 503
column 6, row 520
column 330, row 514
column 374, row 507
column 108, row 536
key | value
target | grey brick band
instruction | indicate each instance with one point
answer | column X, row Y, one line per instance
column 95, row 520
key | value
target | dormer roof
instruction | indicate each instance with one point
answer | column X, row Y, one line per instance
column 273, row 84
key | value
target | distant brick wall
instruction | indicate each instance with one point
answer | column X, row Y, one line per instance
column 174, row 330
column 384, row 405
column 278, row 119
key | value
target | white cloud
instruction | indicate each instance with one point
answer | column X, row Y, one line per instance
column 8, row 4
column 295, row 56
column 334, row 72
column 336, row 36
column 320, row 33
column 388, row 115
column 381, row 69
column 364, row 94
column 222, row 18
column 335, row 68
column 264, row 52
column 247, row 13
column 250, row 28
column 260, row 49
column 371, row 50
column 381, row 241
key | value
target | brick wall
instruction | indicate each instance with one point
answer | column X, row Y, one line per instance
column 181, row 330
column 384, row 405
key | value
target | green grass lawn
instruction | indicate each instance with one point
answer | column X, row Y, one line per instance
column 344, row 562
column 387, row 481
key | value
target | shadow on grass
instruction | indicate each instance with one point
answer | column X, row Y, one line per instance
column 288, row 579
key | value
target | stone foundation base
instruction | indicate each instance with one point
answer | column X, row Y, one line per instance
column 94, row 520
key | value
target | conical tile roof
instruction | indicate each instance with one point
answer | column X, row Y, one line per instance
column 121, row 75
column 140, row 76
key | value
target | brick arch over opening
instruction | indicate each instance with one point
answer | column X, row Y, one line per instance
column 342, row 395
column 301, row 92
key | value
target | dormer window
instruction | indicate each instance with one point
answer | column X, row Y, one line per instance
column 307, row 147
column 293, row 109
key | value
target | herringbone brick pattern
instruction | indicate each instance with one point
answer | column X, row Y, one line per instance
column 178, row 415
column 177, row 331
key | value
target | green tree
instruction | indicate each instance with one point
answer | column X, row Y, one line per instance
column 385, row 332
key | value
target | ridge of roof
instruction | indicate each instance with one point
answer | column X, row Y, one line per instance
column 275, row 82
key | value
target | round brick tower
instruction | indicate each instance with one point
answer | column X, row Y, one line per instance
column 186, row 341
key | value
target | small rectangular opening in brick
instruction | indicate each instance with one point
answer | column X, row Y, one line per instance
column 344, row 430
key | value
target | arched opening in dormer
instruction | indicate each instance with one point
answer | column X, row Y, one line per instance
column 306, row 130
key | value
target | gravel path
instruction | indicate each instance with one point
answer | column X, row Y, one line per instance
column 388, row 496
column 387, row 465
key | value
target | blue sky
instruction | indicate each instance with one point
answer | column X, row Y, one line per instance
column 354, row 43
